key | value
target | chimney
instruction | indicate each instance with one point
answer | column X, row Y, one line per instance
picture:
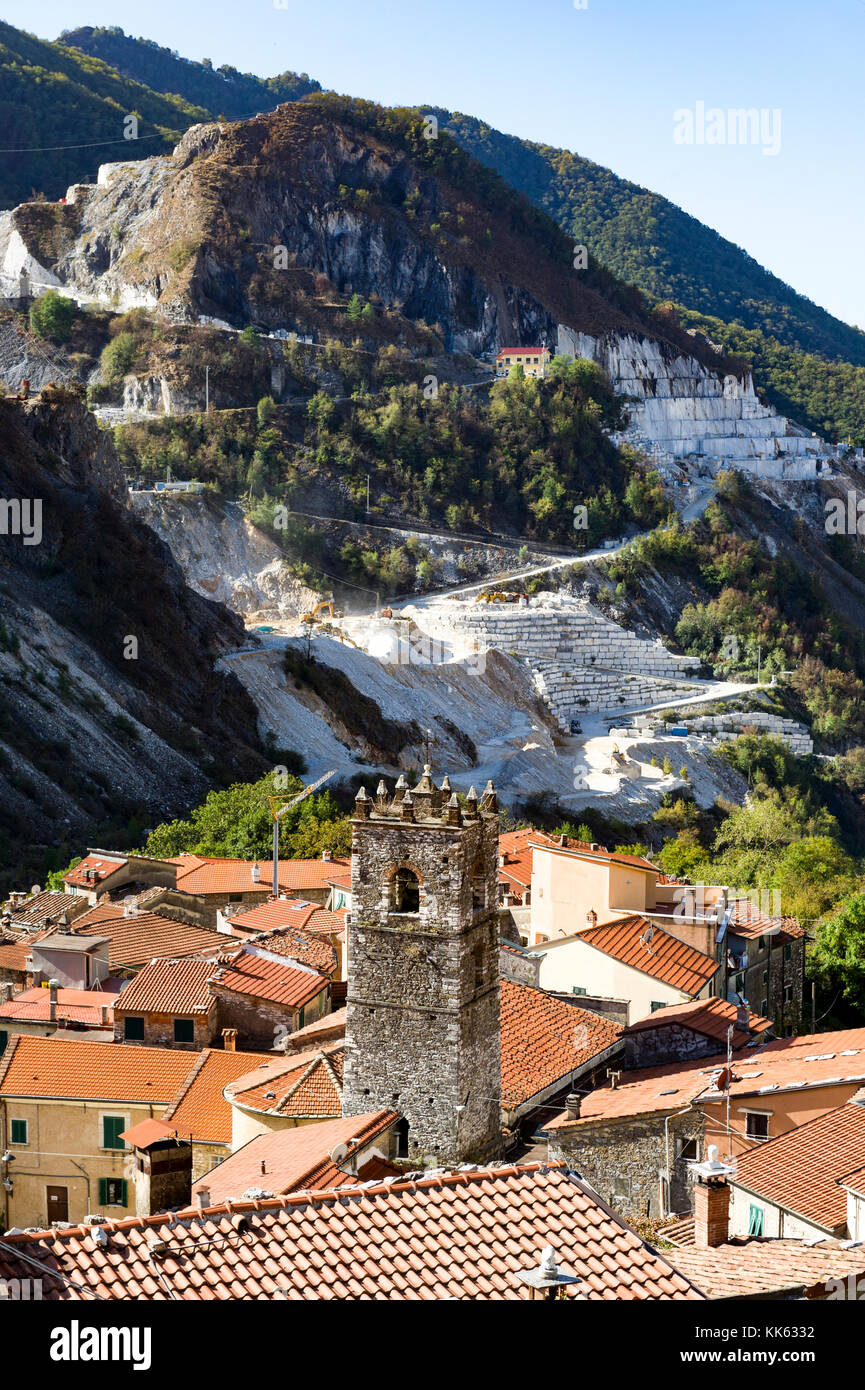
column 202, row 1198
column 573, row 1104
column 53, row 986
column 256, row 874
column 229, row 1039
column 327, row 857
column 690, row 900
column 711, row 1201
column 263, row 1166
column 104, row 1015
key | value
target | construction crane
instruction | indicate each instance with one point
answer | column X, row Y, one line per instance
column 278, row 807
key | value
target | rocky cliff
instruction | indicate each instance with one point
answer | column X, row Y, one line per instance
column 110, row 709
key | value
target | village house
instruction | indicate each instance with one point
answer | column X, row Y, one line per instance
column 635, row 1138
column 45, row 1011
column 200, row 1110
column 81, row 961
column 135, row 938
column 63, row 1107
column 629, row 958
column 215, row 884
column 533, row 360
column 792, row 1186
column 302, row 931
column 725, row 1266
column 102, row 872
column 334, row 1153
column 577, row 887
column 43, row 910
column 256, row 993
column 475, row 1234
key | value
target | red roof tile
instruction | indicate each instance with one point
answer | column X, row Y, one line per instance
column 57, row 1068
column 801, row 1169
column 302, row 1085
column 544, row 1040
column 462, row 1235
column 94, row 869
column 636, row 942
column 288, row 1160
column 325, row 1029
column 198, row 1105
column 73, row 1006
column 136, row 940
column 244, row 972
column 709, row 1017
column 748, row 921
column 197, row 874
column 749, row 1268
column 582, row 849
column 170, row 987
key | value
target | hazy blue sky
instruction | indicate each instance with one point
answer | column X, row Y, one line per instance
column 603, row 81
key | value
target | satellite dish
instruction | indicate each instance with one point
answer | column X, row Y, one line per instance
column 339, row 1154
column 35, row 890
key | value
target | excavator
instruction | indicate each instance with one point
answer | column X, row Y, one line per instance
column 326, row 604
column 500, row 596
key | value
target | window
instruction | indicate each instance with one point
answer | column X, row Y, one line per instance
column 762, row 943
column 788, row 994
column 765, row 977
column 405, row 891
column 478, row 964
column 402, row 1138
column 4, row 1038
column 578, row 989
column 112, row 1192
column 764, row 1009
column 756, row 1125
column 235, row 897
column 184, row 1030
column 688, row 1150
column 112, row 1128
column 657, row 1004
column 18, row 1132
column 479, row 886
column 788, row 952
column 755, row 1221
column 133, row 1029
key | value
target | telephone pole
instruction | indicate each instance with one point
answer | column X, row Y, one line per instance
column 206, row 389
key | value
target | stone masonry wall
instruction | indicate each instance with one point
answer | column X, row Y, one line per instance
column 423, row 1025
column 623, row 1160
column 654, row 1047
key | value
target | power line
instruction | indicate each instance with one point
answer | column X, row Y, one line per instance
column 46, row 149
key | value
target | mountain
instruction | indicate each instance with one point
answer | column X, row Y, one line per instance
column 51, row 95
column 649, row 242
column 266, row 221
column 111, row 713
column 223, row 92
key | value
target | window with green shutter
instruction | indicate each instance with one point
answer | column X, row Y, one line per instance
column 755, row 1221
column 112, row 1192
column 788, row 952
column 18, row 1131
column 112, row 1128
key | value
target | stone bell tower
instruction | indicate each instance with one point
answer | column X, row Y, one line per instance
column 423, row 1026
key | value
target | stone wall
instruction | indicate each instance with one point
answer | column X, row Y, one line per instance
column 159, row 1029
column 655, row 1047
column 624, row 1160
column 260, row 1023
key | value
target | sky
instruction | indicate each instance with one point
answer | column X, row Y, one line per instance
column 608, row 79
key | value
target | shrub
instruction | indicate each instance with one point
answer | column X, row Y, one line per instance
column 52, row 316
column 118, row 357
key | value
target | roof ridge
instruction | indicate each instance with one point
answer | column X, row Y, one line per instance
column 197, row 1066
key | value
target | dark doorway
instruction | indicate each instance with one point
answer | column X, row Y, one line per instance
column 58, row 1204
column 402, row 1138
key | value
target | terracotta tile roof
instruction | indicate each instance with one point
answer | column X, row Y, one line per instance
column 294, row 1159
column 544, row 1039
column 748, row 1268
column 307, row 1084
column 748, row 921
column 787, row 1064
column 14, row 956
column 709, row 1017
column 57, row 1068
column 170, row 987
column 801, row 1169
column 289, row 927
column 521, row 351
column 515, row 875
column 44, row 909
column 94, row 869
column 138, row 939
column 197, row 874
column 198, row 1105
column 73, row 1006
column 636, row 942
column 325, row 1029
column 462, row 1235
column 243, row 972
column 582, row 849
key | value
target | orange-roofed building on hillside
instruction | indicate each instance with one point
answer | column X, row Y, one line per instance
column 43, row 1011
column 228, row 884
column 304, row 932
column 135, row 938
column 200, row 1108
column 64, row 1106
column 102, row 873
column 533, row 360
